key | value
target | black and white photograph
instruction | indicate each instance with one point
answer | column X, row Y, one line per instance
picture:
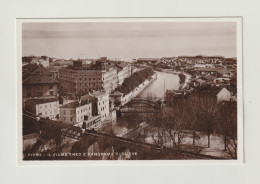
column 130, row 89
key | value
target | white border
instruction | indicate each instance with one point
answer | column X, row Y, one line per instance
column 240, row 151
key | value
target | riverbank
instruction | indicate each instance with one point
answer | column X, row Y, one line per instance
column 187, row 77
column 128, row 97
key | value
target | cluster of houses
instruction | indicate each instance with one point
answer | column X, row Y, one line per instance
column 210, row 76
column 42, row 97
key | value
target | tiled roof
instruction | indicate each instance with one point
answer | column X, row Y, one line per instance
column 117, row 93
column 122, row 65
column 219, row 70
column 209, row 77
column 41, row 71
column 99, row 93
column 75, row 104
column 42, row 100
column 88, row 97
column 39, row 79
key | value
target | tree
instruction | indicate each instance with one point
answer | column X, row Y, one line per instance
column 227, row 118
column 192, row 115
column 207, row 115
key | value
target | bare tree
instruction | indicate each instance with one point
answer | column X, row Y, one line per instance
column 207, row 115
column 227, row 122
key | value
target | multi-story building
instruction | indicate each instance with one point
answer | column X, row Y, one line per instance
column 40, row 84
column 123, row 71
column 43, row 107
column 76, row 112
column 102, row 101
column 81, row 80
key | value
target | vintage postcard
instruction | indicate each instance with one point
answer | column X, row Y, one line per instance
column 143, row 89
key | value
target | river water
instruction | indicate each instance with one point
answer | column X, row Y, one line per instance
column 155, row 89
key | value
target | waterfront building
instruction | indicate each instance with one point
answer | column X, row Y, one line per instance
column 123, row 72
column 46, row 108
column 117, row 97
column 102, row 100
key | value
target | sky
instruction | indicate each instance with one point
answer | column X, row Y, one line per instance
column 128, row 40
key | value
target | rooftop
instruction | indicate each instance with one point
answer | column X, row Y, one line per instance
column 99, row 93
column 209, row 77
column 42, row 101
column 75, row 104
column 39, row 79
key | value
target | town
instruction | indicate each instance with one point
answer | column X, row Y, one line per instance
column 181, row 107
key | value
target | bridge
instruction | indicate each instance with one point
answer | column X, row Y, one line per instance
column 53, row 127
column 141, row 105
column 88, row 138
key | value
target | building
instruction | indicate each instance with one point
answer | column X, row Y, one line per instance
column 102, row 100
column 216, row 72
column 84, row 80
column 117, row 97
column 40, row 84
column 47, row 108
column 54, row 72
column 123, row 72
column 223, row 95
column 76, row 112
column 173, row 96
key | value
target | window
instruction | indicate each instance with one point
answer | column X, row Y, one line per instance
column 39, row 93
column 71, row 118
column 51, row 92
column 50, row 86
column 39, row 87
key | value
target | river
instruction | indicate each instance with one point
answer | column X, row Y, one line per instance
column 155, row 89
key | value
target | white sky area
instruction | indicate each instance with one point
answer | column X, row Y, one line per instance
column 128, row 40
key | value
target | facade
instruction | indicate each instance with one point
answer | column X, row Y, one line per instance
column 47, row 108
column 123, row 72
column 82, row 80
column 40, row 84
column 117, row 97
column 76, row 112
column 223, row 95
column 102, row 100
